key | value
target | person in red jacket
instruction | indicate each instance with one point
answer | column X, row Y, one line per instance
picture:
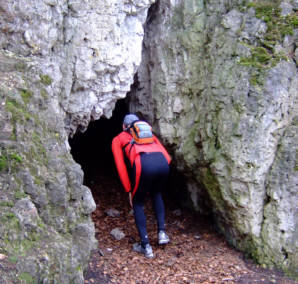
column 142, row 169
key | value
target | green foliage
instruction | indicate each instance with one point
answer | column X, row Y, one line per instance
column 38, row 181
column 16, row 157
column 18, row 111
column 265, row 9
column 6, row 204
column 259, row 58
column 13, row 259
column 9, row 160
column 3, row 163
column 7, row 216
column 26, row 95
column 277, row 25
column 27, row 277
column 263, row 56
column 19, row 194
column 45, row 79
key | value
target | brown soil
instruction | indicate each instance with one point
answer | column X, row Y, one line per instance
column 196, row 253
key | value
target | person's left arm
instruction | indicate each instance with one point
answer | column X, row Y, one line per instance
column 120, row 164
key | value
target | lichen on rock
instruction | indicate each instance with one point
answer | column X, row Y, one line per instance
column 36, row 228
column 236, row 81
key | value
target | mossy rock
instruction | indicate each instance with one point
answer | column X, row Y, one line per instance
column 46, row 80
column 9, row 160
column 27, row 277
column 263, row 56
column 26, row 95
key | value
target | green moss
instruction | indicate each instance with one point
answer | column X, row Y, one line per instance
column 259, row 58
column 26, row 95
column 277, row 25
column 9, row 160
column 6, row 204
column 18, row 111
column 20, row 66
column 212, row 187
column 13, row 259
column 16, row 157
column 38, row 181
column 46, row 80
column 7, row 216
column 3, row 163
column 255, row 80
column 27, row 277
column 19, row 194
column 263, row 57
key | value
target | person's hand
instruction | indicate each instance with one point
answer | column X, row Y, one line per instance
column 130, row 199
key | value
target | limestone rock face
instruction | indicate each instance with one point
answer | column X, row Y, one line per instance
column 90, row 49
column 224, row 99
column 46, row 229
column 62, row 63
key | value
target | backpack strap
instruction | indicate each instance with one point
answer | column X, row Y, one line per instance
column 123, row 148
column 131, row 142
column 131, row 125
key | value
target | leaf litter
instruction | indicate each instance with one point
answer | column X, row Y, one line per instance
column 196, row 253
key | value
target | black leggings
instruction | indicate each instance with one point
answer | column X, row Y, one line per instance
column 154, row 174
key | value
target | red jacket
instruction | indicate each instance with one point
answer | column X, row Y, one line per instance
column 132, row 153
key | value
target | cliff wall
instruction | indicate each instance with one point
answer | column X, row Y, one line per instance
column 217, row 80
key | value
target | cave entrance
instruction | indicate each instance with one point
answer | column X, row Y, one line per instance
column 92, row 150
column 194, row 242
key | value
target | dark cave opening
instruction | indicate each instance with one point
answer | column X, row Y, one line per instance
column 92, row 150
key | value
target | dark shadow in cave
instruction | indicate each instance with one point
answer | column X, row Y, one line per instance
column 92, row 150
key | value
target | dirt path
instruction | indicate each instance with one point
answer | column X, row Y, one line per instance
column 196, row 254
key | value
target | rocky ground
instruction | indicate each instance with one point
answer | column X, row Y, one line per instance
column 196, row 254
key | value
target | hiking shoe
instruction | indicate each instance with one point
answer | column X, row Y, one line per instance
column 163, row 238
column 147, row 251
